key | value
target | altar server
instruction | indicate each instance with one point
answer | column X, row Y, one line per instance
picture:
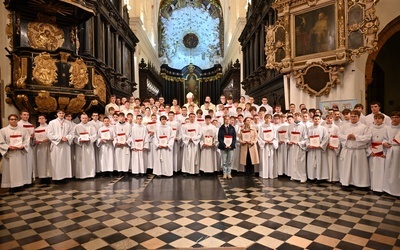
column 105, row 135
column 138, row 142
column 191, row 135
column 208, row 145
column 164, row 142
column 268, row 144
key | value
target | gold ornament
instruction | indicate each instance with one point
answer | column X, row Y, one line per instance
column 45, row 71
column 45, row 103
column 78, row 74
column 45, row 36
column 100, row 87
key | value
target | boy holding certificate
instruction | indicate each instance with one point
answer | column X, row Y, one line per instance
column 164, row 143
column 42, row 151
column 14, row 144
column 191, row 135
column 377, row 157
column 105, row 145
column 139, row 144
column 28, row 127
column 318, row 137
column 268, row 144
column 391, row 185
column 333, row 149
column 122, row 150
column 176, row 134
column 208, row 143
column 296, row 142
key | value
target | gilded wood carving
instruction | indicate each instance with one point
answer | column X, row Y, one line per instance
column 45, row 103
column 45, row 36
column 100, row 87
column 76, row 104
column 45, row 70
column 78, row 74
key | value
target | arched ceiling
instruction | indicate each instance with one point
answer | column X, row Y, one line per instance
column 190, row 31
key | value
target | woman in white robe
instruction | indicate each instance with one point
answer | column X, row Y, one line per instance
column 15, row 172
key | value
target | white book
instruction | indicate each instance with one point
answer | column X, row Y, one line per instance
column 228, row 140
column 16, row 140
column 121, row 138
column 295, row 137
column 105, row 134
column 138, row 144
column 377, row 148
column 40, row 135
column 84, row 136
column 314, row 141
column 163, row 140
column 192, row 133
column 208, row 140
column 268, row 135
column 334, row 141
column 246, row 135
column 151, row 127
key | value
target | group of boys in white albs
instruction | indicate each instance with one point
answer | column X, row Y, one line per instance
column 138, row 137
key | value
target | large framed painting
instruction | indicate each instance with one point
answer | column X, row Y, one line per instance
column 315, row 31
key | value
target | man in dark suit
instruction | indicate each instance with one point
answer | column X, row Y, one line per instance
column 226, row 144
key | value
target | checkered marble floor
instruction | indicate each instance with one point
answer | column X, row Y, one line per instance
column 110, row 213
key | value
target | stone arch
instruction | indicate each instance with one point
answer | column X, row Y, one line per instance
column 387, row 32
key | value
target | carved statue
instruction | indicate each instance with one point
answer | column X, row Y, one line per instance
column 45, row 103
column 78, row 74
column 76, row 104
column 100, row 87
column 45, row 71
column 45, row 36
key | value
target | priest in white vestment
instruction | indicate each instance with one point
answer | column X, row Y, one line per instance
column 61, row 137
column 14, row 146
column 355, row 138
column 85, row 136
column 391, row 184
column 105, row 138
column 164, row 142
column 208, row 145
column 139, row 143
column 191, row 135
column 317, row 163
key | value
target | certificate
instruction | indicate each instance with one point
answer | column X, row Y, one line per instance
column 151, row 127
column 29, row 128
column 84, row 136
column 228, row 140
column 377, row 148
column 200, row 121
column 314, row 141
column 268, row 136
column 246, row 135
column 16, row 141
column 208, row 140
column 397, row 138
column 334, row 141
column 295, row 137
column 173, row 133
column 105, row 134
column 163, row 140
column 138, row 144
column 282, row 135
column 192, row 133
column 40, row 135
column 121, row 138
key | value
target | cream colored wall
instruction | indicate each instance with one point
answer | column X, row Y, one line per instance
column 5, row 66
column 353, row 78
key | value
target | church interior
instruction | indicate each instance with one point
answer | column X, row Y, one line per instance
column 72, row 55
